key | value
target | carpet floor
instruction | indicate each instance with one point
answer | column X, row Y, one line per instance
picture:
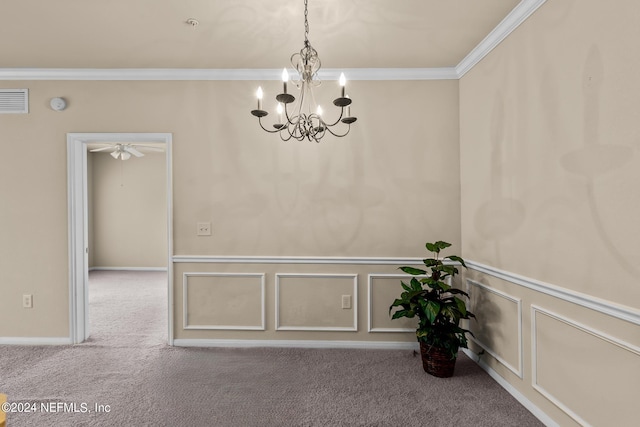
column 127, row 369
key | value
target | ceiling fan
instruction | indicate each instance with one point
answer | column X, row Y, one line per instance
column 124, row 151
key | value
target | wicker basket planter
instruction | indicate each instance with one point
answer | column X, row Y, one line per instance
column 437, row 361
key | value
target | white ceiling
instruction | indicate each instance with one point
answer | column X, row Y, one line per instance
column 236, row 34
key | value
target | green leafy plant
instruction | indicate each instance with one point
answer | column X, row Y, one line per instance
column 437, row 305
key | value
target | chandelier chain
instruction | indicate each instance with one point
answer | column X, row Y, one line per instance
column 306, row 23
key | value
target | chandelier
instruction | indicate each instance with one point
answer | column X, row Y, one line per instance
column 303, row 119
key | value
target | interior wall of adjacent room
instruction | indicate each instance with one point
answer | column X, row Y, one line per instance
column 128, row 210
column 549, row 165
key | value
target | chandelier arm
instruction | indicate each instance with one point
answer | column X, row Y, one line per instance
column 295, row 119
column 339, row 135
column 318, row 135
column 297, row 133
column 286, row 115
column 262, row 126
column 285, row 138
column 292, row 127
column 339, row 118
column 291, row 130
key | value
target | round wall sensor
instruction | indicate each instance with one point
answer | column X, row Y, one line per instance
column 58, row 104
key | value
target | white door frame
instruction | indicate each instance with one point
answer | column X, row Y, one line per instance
column 78, row 220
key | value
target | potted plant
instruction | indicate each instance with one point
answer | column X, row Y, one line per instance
column 439, row 308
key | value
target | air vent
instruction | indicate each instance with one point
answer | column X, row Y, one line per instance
column 14, row 101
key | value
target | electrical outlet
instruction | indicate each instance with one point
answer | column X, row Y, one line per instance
column 204, row 229
column 346, row 301
column 27, row 301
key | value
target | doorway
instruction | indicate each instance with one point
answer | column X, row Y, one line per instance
column 78, row 199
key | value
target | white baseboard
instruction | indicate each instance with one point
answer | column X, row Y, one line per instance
column 127, row 268
column 380, row 345
column 35, row 341
column 536, row 411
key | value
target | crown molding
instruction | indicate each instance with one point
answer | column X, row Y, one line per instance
column 186, row 74
column 444, row 73
column 133, row 74
column 517, row 16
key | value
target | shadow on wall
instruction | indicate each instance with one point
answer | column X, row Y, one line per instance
column 332, row 201
column 594, row 159
column 500, row 216
column 486, row 330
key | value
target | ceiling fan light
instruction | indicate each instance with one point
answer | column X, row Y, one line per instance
column 125, row 155
column 115, row 154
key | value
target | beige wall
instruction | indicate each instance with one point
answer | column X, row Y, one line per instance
column 550, row 163
column 369, row 194
column 128, row 213
column 363, row 195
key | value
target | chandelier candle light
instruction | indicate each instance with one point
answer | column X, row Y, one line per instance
column 298, row 121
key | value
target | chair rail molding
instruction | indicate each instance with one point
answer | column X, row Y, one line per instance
column 240, row 259
column 597, row 304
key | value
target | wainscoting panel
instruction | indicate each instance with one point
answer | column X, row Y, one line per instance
column 313, row 302
column 234, row 301
column 564, row 355
column 383, row 289
column 498, row 329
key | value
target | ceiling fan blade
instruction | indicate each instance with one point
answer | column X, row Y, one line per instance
column 95, row 150
column 115, row 154
column 150, row 147
column 133, row 151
